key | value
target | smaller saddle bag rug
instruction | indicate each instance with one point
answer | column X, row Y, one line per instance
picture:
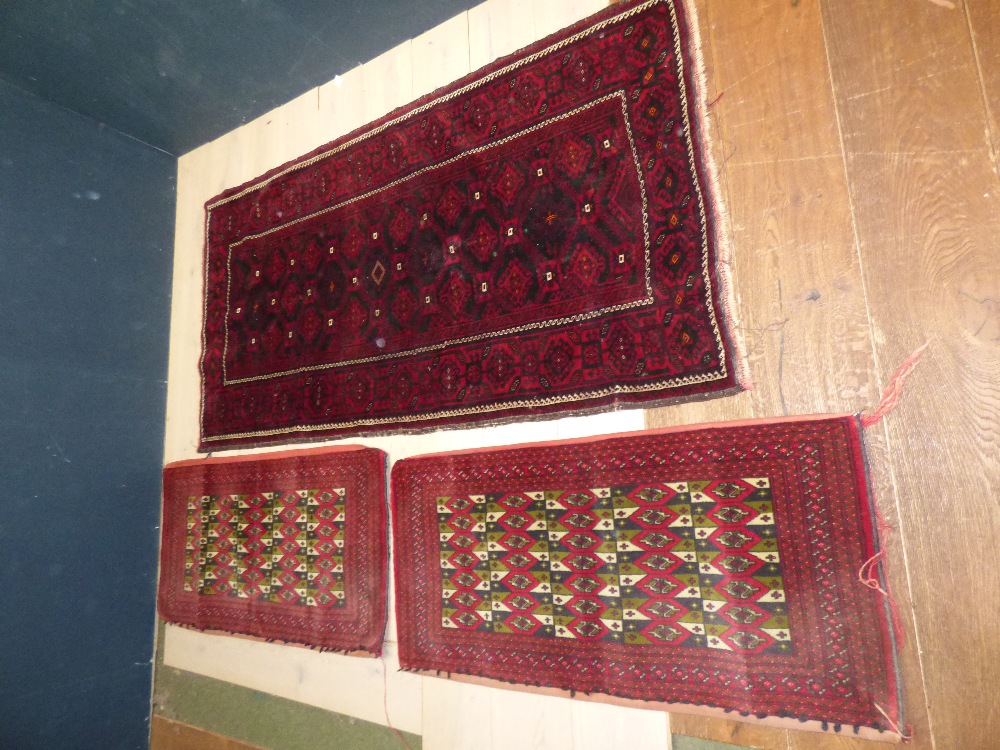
column 715, row 566
column 286, row 546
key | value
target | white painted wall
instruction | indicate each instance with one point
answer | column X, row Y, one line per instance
column 449, row 715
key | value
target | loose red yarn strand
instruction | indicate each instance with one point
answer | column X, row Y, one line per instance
column 866, row 574
column 385, row 704
column 888, row 402
column 893, row 390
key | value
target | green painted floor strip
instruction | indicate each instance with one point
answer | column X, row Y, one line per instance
column 282, row 724
column 694, row 743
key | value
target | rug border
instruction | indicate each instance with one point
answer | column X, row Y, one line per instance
column 893, row 646
column 368, row 643
column 723, row 247
column 870, row 542
column 630, row 434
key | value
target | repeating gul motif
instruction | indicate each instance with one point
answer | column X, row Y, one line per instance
column 285, row 547
column 691, row 564
column 716, row 565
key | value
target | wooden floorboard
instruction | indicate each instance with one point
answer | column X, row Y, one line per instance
column 855, row 154
column 925, row 199
column 801, row 308
column 856, row 144
column 728, row 731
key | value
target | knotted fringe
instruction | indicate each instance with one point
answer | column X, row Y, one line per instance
column 906, row 736
column 826, row 726
column 213, row 630
column 385, row 704
column 892, row 391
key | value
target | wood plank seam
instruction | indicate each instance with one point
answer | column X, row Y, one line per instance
column 991, row 136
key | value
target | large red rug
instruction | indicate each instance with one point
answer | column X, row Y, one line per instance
column 540, row 236
column 716, row 566
column 288, row 546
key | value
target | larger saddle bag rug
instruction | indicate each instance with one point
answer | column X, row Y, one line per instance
column 541, row 236
column 288, row 546
column 715, row 566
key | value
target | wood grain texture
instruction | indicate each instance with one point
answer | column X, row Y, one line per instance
column 795, row 269
column 798, row 271
column 926, row 197
column 795, row 265
column 732, row 732
column 165, row 734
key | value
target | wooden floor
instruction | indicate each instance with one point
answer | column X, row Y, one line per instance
column 859, row 150
column 857, row 143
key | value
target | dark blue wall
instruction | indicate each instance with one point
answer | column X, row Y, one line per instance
column 179, row 73
column 86, row 231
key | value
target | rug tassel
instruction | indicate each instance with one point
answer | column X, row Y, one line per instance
column 906, row 736
column 893, row 390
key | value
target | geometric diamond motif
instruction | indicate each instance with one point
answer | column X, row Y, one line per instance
column 300, row 556
column 283, row 546
column 692, row 564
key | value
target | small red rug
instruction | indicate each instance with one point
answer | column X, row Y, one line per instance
column 538, row 237
column 715, row 566
column 288, row 546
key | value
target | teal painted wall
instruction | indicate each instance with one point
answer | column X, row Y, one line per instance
column 86, row 231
